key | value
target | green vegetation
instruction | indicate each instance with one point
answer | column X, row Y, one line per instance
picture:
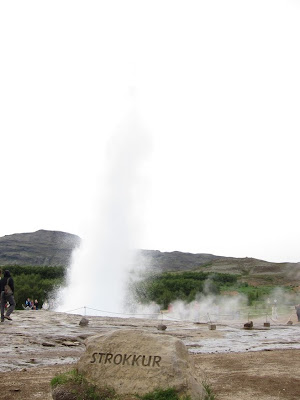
column 74, row 383
column 206, row 265
column 39, row 282
column 70, row 376
column 43, row 271
column 172, row 394
column 35, row 282
column 160, row 394
column 209, row 393
column 168, row 287
column 256, row 295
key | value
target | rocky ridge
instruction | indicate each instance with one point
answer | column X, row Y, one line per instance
column 49, row 248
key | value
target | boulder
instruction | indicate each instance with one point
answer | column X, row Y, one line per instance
column 138, row 362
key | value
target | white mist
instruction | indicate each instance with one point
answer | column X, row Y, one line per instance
column 98, row 276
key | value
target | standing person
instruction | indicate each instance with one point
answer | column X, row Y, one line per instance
column 0, row 287
column 297, row 307
column 7, row 279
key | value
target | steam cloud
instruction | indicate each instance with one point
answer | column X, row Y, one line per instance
column 98, row 274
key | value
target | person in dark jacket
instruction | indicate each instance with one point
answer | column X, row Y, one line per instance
column 7, row 279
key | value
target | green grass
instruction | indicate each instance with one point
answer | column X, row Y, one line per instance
column 76, row 384
column 172, row 394
column 70, row 376
column 160, row 394
column 209, row 393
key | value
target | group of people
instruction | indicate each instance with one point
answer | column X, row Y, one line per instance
column 7, row 295
column 31, row 305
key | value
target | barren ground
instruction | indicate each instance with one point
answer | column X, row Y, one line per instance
column 262, row 363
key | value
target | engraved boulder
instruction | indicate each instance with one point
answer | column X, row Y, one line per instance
column 138, row 362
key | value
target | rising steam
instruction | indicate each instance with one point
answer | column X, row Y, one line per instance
column 98, row 275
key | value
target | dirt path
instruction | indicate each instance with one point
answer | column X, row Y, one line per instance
column 29, row 384
column 263, row 375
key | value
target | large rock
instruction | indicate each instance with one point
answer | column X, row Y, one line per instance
column 137, row 362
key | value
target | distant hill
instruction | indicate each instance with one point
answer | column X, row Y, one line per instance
column 43, row 247
column 252, row 270
column 54, row 248
column 173, row 261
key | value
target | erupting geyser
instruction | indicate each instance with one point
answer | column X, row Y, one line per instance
column 99, row 272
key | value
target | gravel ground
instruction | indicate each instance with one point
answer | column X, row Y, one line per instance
column 262, row 363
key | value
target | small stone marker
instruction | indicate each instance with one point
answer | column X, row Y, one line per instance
column 84, row 321
column 161, row 327
column 248, row 325
column 138, row 362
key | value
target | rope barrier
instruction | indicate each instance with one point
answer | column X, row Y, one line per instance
column 110, row 312
column 76, row 309
column 119, row 313
column 208, row 318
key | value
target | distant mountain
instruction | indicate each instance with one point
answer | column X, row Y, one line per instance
column 43, row 247
column 55, row 248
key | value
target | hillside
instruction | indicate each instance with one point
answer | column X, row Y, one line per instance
column 53, row 248
column 173, row 261
column 251, row 270
column 256, row 272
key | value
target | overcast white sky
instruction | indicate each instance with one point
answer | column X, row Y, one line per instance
column 216, row 88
